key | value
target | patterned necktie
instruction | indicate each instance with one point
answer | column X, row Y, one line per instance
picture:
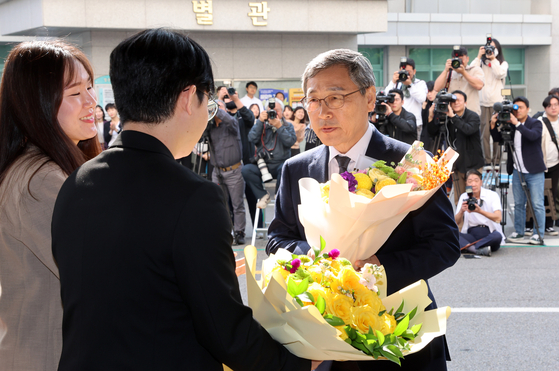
column 343, row 162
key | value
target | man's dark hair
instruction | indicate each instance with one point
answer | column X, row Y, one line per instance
column 251, row 83
column 522, row 99
column 554, row 91
column 462, row 51
column 397, row 91
column 473, row 172
column 109, row 106
column 461, row 93
column 219, row 88
column 547, row 100
column 151, row 69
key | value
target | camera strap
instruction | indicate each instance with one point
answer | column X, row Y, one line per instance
column 551, row 131
column 448, row 78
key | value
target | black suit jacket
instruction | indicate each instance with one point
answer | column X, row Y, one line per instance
column 106, row 131
column 532, row 155
column 423, row 245
column 402, row 127
column 157, row 289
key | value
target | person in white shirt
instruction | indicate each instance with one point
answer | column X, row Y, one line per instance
column 481, row 232
column 495, row 70
column 250, row 98
column 414, row 89
column 550, row 120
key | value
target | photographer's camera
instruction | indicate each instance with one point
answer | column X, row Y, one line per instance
column 272, row 114
column 260, row 161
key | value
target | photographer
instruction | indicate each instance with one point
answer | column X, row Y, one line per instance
column 399, row 123
column 273, row 137
column 526, row 135
column 462, row 131
column 491, row 60
column 468, row 79
column 245, row 118
column 414, row 89
column 481, row 213
column 425, row 109
column 225, row 156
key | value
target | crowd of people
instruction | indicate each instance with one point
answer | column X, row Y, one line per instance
column 162, row 279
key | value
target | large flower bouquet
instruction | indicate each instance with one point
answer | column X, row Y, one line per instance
column 323, row 309
column 366, row 205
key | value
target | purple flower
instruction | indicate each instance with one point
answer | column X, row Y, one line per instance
column 295, row 264
column 334, row 253
column 351, row 182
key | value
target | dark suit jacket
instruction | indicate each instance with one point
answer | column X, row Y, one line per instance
column 156, row 290
column 531, row 139
column 423, row 245
column 402, row 127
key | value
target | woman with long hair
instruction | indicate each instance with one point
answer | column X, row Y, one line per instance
column 47, row 130
column 299, row 120
column 255, row 110
column 495, row 70
column 100, row 123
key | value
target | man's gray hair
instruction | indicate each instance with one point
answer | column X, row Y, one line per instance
column 359, row 68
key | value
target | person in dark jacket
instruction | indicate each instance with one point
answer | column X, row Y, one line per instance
column 462, row 133
column 529, row 161
column 400, row 124
column 425, row 137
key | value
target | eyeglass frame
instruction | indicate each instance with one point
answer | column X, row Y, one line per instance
column 305, row 101
column 211, row 103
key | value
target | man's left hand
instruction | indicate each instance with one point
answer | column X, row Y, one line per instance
column 371, row 260
column 275, row 123
column 388, row 109
column 450, row 112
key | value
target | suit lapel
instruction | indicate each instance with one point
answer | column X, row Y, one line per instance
column 318, row 168
column 382, row 147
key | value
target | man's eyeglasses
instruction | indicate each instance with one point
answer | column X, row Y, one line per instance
column 333, row 101
column 212, row 105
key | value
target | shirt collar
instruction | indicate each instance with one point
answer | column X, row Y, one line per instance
column 360, row 148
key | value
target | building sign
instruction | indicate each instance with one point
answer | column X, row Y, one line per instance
column 257, row 11
column 203, row 11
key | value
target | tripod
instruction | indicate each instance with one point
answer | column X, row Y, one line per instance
column 508, row 146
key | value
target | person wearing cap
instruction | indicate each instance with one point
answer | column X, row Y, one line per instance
column 250, row 98
column 469, row 79
column 414, row 90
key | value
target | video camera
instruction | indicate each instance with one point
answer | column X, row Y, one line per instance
column 489, row 49
column 441, row 102
column 260, row 160
column 456, row 62
column 382, row 97
column 504, row 110
column 272, row 114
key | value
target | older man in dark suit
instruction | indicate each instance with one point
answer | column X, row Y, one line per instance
column 159, row 291
column 339, row 89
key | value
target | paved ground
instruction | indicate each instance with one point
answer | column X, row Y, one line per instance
column 505, row 307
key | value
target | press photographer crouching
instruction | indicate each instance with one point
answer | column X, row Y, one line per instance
column 522, row 134
column 480, row 211
column 273, row 137
column 225, row 156
column 393, row 119
column 459, row 129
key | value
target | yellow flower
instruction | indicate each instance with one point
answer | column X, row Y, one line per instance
column 317, row 290
column 383, row 183
column 315, row 273
column 278, row 268
column 365, row 296
column 388, row 324
column 335, row 266
column 365, row 192
column 325, row 191
column 339, row 305
column 349, row 279
column 377, row 175
column 364, row 317
column 343, row 334
column 363, row 181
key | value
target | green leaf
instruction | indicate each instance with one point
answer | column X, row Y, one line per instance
column 350, row 332
column 348, row 340
column 386, row 353
column 412, row 313
column 380, row 337
column 415, row 329
column 333, row 320
column 402, row 178
column 376, row 354
column 361, row 347
column 395, row 350
column 402, row 326
column 391, row 310
column 401, row 307
column 299, row 301
column 295, row 288
column 320, row 304
column 381, row 313
column 322, row 244
column 359, row 337
column 370, row 345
